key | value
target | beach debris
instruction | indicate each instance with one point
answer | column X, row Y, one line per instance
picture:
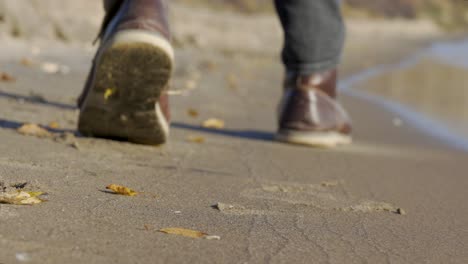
column 213, row 238
column 333, row 183
column 191, row 84
column 208, row 65
column 5, row 77
column 234, row 209
column 53, row 125
column 21, row 198
column 223, row 207
column 400, row 211
column 196, row 139
column 26, row 62
column 372, row 206
column 214, row 123
column 177, row 212
column 397, row 122
column 54, row 68
column 19, row 185
column 75, row 145
column 109, row 92
column 183, row 232
column 30, row 129
column 121, row 190
column 22, row 257
column 67, row 138
column 232, row 81
column 193, row 113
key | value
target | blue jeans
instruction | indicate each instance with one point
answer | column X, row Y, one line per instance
column 314, row 34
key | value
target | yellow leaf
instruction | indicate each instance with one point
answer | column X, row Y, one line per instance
column 20, row 198
column 35, row 194
column 193, row 113
column 183, row 232
column 122, row 190
column 54, row 125
column 108, row 93
column 196, row 139
column 214, row 123
column 33, row 130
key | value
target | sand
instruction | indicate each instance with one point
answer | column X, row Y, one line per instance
column 398, row 195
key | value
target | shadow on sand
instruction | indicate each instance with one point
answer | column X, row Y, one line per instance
column 14, row 125
column 244, row 134
column 37, row 100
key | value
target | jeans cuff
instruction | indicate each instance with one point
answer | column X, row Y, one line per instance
column 315, row 67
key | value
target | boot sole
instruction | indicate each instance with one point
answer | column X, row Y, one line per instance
column 314, row 139
column 131, row 73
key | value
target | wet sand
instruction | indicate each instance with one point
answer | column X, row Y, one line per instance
column 434, row 85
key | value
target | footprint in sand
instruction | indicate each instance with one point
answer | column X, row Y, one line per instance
column 329, row 195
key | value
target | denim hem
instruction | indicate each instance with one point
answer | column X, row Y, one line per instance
column 315, row 67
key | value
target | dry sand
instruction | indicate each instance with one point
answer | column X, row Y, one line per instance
column 396, row 196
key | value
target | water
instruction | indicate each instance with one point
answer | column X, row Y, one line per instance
column 428, row 90
column 455, row 53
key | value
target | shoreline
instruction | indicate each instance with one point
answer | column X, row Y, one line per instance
column 390, row 86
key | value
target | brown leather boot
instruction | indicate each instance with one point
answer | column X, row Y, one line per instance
column 124, row 96
column 310, row 114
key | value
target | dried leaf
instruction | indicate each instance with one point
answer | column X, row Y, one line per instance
column 213, row 238
column 75, row 145
column 332, row 183
column 196, row 139
column 183, row 232
column 21, row 198
column 208, row 65
column 191, row 84
column 108, row 93
column 122, row 190
column 214, row 123
column 5, row 77
column 34, row 130
column 26, row 62
column 231, row 79
column 19, row 185
column 193, row 113
column 54, row 125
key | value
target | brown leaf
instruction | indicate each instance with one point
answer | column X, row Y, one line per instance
column 122, row 190
column 34, row 130
column 183, row 232
column 26, row 62
column 5, row 77
column 214, row 123
column 193, row 113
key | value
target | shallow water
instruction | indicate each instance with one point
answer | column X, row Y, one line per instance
column 428, row 90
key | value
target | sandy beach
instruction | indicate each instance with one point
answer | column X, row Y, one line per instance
column 397, row 195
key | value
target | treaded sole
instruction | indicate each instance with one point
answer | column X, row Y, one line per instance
column 131, row 74
column 314, row 139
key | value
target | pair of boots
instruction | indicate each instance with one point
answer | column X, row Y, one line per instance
column 125, row 94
